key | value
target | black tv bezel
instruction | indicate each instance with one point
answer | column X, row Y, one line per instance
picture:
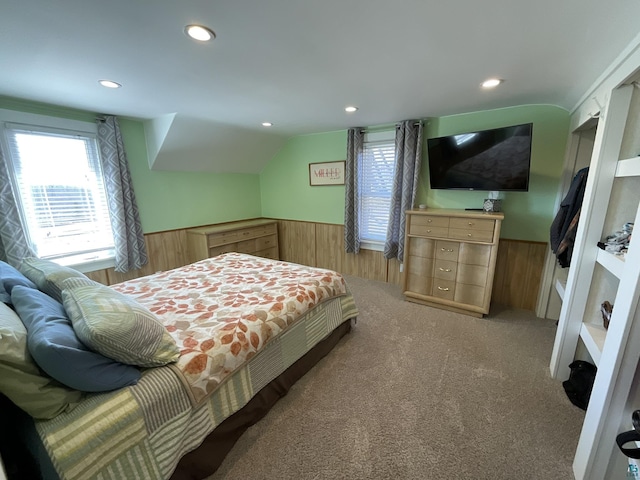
column 471, row 189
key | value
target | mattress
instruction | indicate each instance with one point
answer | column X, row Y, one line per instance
column 142, row 431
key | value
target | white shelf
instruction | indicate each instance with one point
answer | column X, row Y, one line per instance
column 613, row 263
column 629, row 167
column 593, row 337
column 561, row 286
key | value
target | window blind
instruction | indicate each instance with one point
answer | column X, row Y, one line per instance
column 375, row 184
column 61, row 191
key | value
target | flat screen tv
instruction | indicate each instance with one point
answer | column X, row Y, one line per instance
column 494, row 160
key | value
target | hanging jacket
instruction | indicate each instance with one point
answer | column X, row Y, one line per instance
column 564, row 226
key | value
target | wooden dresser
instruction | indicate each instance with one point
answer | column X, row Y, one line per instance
column 256, row 237
column 450, row 258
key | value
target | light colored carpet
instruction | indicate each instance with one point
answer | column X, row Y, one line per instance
column 420, row 393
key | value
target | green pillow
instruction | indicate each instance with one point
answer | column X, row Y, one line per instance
column 48, row 275
column 117, row 326
column 20, row 378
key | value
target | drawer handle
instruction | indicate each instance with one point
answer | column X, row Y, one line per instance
column 470, row 223
column 446, row 249
column 428, row 231
column 445, row 289
column 469, row 235
column 444, row 269
column 429, row 220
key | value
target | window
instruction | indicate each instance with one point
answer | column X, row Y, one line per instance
column 375, row 184
column 60, row 192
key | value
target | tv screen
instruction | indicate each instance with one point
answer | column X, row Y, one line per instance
column 493, row 160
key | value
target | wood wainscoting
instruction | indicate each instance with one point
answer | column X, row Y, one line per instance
column 516, row 282
column 165, row 250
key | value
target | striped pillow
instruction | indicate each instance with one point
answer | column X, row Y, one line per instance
column 48, row 275
column 115, row 325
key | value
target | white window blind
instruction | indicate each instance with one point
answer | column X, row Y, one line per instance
column 61, row 192
column 375, row 184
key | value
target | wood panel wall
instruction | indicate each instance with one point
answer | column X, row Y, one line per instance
column 518, row 273
column 516, row 282
column 166, row 250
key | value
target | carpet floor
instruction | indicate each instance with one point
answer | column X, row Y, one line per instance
column 420, row 393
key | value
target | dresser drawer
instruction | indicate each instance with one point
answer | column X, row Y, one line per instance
column 271, row 253
column 445, row 270
column 422, row 247
column 246, row 246
column 475, row 254
column 447, row 250
column 215, row 251
column 428, row 231
column 418, row 284
column 473, row 224
column 269, row 241
column 420, row 266
column 429, row 221
column 215, row 239
column 428, row 226
column 469, row 294
column 471, row 235
column 472, row 274
column 246, row 236
column 247, row 233
column 443, row 289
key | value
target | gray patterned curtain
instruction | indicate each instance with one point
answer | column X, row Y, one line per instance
column 355, row 146
column 131, row 252
column 405, row 184
column 14, row 245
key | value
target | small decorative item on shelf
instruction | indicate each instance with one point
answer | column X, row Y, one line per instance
column 618, row 242
column 606, row 308
column 493, row 203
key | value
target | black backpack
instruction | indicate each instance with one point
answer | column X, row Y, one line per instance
column 578, row 387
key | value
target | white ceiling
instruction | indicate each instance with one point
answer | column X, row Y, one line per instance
column 298, row 63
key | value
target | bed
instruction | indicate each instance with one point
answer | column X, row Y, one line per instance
column 246, row 329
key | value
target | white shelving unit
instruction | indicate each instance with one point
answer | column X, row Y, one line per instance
column 561, row 286
column 554, row 278
column 613, row 263
column 612, row 198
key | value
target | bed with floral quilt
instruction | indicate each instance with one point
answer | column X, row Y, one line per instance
column 188, row 349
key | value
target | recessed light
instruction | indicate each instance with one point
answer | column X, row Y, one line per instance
column 200, row 33
column 267, row 124
column 491, row 83
column 109, row 84
column 350, row 109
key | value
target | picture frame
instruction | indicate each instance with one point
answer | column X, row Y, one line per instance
column 326, row 173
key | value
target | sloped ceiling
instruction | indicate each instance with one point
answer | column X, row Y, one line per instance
column 299, row 63
column 184, row 143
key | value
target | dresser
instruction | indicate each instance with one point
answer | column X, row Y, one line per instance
column 450, row 257
column 256, row 237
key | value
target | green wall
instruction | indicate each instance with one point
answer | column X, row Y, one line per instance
column 172, row 200
column 284, row 183
column 169, row 200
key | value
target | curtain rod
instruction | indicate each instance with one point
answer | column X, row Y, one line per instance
column 382, row 128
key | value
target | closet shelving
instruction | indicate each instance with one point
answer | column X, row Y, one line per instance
column 580, row 149
column 612, row 198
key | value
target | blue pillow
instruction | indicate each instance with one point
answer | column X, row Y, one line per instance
column 9, row 278
column 56, row 349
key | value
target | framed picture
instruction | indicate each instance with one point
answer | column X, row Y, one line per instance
column 327, row 173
